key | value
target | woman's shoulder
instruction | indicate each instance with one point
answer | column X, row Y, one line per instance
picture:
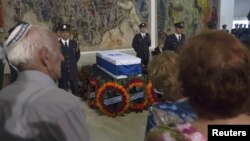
column 165, row 113
column 179, row 108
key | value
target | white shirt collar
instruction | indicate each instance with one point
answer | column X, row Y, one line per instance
column 67, row 41
column 177, row 35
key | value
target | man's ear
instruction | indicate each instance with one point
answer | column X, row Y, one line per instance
column 44, row 56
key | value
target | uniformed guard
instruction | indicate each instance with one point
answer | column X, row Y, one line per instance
column 224, row 28
column 71, row 55
column 235, row 31
column 240, row 31
column 174, row 41
column 141, row 43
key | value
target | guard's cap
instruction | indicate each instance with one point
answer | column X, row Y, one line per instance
column 179, row 25
column 65, row 27
column 142, row 25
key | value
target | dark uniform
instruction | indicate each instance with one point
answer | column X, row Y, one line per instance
column 141, row 46
column 69, row 72
column 235, row 31
column 224, row 28
column 172, row 42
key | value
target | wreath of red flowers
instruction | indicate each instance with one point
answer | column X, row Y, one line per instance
column 150, row 93
column 136, row 83
column 92, row 88
column 103, row 93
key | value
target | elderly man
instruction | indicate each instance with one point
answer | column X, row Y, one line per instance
column 33, row 107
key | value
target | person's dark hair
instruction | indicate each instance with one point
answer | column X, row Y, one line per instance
column 215, row 74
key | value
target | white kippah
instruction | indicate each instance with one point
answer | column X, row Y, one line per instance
column 16, row 35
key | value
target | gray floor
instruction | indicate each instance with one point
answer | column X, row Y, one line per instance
column 130, row 127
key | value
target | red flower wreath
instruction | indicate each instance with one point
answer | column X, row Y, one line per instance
column 102, row 93
column 136, row 83
column 150, row 93
column 93, row 84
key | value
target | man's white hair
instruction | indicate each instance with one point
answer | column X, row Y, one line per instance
column 25, row 50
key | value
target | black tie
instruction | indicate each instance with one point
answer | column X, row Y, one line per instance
column 179, row 38
column 65, row 44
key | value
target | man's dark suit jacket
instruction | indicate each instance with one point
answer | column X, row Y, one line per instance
column 172, row 43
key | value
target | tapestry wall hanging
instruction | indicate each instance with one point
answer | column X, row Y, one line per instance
column 196, row 14
column 96, row 24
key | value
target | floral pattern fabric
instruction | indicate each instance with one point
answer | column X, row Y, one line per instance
column 190, row 133
column 167, row 112
column 178, row 132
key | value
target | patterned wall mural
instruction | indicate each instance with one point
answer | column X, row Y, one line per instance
column 108, row 24
column 196, row 14
column 96, row 24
